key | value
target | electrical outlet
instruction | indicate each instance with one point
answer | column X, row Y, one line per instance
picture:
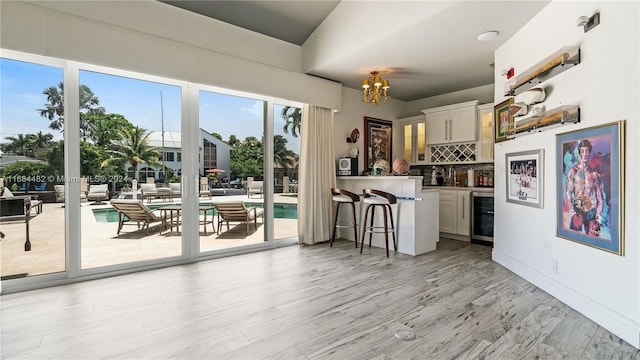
column 554, row 266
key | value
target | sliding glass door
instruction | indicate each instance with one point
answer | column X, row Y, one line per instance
column 32, row 169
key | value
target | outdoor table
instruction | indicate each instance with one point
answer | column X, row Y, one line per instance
column 167, row 214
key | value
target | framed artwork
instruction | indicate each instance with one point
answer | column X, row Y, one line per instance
column 590, row 185
column 504, row 122
column 525, row 178
column 377, row 141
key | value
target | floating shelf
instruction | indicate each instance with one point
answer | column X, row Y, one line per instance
column 560, row 115
column 551, row 66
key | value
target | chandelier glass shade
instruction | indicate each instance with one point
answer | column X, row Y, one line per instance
column 374, row 89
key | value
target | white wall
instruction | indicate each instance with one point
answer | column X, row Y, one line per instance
column 154, row 38
column 352, row 116
column 603, row 286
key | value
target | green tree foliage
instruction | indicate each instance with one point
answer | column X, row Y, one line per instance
column 32, row 145
column 247, row 159
column 28, row 169
column 281, row 155
column 132, row 146
column 216, row 135
column 55, row 156
column 54, row 108
column 234, row 141
column 292, row 120
column 105, row 128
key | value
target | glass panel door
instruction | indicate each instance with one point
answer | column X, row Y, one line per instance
column 32, row 170
column 231, row 171
column 287, row 121
column 130, row 151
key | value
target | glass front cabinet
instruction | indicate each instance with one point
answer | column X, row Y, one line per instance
column 413, row 139
column 485, row 133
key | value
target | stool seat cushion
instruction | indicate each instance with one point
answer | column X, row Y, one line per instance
column 342, row 198
column 376, row 200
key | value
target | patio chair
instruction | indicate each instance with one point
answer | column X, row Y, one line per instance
column 176, row 190
column 59, row 189
column 237, row 212
column 40, row 187
column 97, row 193
column 255, row 188
column 205, row 190
column 134, row 211
column 236, row 184
column 148, row 190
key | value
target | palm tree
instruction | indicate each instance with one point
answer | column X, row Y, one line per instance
column 40, row 140
column 54, row 108
column 18, row 145
column 293, row 119
column 133, row 146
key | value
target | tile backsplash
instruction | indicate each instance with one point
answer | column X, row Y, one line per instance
column 455, row 174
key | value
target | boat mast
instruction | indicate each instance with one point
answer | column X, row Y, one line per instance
column 164, row 170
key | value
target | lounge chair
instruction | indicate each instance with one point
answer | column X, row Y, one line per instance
column 255, row 188
column 97, row 193
column 41, row 187
column 134, row 210
column 236, row 184
column 237, row 212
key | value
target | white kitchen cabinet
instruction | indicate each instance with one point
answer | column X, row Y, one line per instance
column 455, row 212
column 448, row 211
column 464, row 213
column 485, row 133
column 413, row 139
column 452, row 123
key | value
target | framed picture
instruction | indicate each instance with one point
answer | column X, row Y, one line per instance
column 591, row 186
column 525, row 178
column 504, row 122
column 377, row 141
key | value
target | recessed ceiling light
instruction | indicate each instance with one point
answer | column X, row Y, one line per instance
column 487, row 35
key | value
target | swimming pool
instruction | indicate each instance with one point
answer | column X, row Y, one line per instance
column 280, row 211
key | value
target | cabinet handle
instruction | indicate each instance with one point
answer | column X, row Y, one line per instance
column 446, row 129
column 463, row 201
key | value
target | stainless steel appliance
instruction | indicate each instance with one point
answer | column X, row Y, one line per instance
column 348, row 166
column 482, row 216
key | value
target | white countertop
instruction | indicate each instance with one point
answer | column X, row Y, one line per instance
column 458, row 188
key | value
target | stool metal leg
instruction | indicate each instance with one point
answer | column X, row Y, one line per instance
column 393, row 228
column 386, row 230
column 355, row 225
column 364, row 227
column 335, row 224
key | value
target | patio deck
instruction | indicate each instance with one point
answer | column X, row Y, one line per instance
column 101, row 246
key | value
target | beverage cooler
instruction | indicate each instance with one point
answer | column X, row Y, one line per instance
column 482, row 216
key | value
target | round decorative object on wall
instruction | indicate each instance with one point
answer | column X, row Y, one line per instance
column 355, row 135
column 400, row 166
column 381, row 168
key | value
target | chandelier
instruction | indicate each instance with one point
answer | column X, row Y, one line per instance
column 374, row 89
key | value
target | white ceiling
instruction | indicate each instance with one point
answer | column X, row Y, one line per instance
column 424, row 48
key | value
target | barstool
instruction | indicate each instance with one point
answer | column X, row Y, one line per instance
column 385, row 200
column 341, row 197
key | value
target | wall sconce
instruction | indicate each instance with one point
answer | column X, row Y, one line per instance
column 588, row 23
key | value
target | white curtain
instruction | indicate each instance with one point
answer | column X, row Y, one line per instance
column 317, row 175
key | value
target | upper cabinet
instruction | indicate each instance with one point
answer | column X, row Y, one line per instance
column 413, row 139
column 452, row 123
column 485, row 133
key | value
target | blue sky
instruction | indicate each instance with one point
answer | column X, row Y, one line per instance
column 21, row 94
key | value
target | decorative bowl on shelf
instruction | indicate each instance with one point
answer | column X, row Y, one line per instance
column 380, row 168
column 400, row 166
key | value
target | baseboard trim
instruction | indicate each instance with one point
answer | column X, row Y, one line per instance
column 620, row 325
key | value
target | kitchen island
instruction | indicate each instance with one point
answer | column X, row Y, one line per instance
column 416, row 215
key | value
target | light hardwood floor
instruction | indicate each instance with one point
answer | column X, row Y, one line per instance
column 307, row 302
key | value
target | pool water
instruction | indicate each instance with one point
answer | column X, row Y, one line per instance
column 280, row 211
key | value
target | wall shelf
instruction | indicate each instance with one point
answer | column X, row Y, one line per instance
column 560, row 115
column 553, row 65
